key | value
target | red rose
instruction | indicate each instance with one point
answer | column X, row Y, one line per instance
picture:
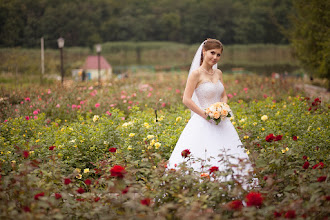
column 327, row 198
column 80, row 190
column 112, row 149
column 58, row 196
column 213, row 169
column 96, row 199
column 26, row 154
column 265, row 178
column 320, row 165
column 185, row 153
column 294, row 138
column 278, row 137
column 290, row 214
column 317, row 100
column 88, row 182
column 235, row 205
column 306, row 165
column 254, row 199
column 67, row 181
column 277, row 214
column 270, row 137
column 26, row 209
column 125, row 190
column 36, row 197
column 321, row 178
column 118, row 171
column 146, row 201
column 305, row 157
column 51, row 147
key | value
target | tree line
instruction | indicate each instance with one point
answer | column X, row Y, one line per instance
column 87, row 22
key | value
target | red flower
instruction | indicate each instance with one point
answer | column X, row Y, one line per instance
column 235, row 205
column 113, row 150
column 36, row 196
column 96, row 199
column 278, row 137
column 213, row 169
column 321, row 178
column 125, row 190
column 67, row 181
column 305, row 157
column 254, row 199
column 26, row 209
column 270, row 137
column 290, row 214
column 88, row 182
column 58, row 196
column 146, row 201
column 294, row 138
column 51, row 147
column 118, row 171
column 185, row 153
column 265, row 178
column 306, row 165
column 26, row 154
column 321, row 165
column 80, row 190
column 327, row 198
column 277, row 214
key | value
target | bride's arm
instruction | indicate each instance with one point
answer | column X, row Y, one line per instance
column 224, row 97
column 192, row 82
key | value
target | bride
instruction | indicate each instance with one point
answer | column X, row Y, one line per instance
column 203, row 144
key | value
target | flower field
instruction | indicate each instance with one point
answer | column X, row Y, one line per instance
column 88, row 152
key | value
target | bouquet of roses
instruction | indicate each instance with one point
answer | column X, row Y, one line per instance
column 218, row 111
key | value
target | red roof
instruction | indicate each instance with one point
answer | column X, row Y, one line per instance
column 92, row 63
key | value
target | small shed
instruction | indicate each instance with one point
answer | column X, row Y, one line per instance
column 91, row 68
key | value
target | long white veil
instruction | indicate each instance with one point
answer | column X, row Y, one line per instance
column 194, row 65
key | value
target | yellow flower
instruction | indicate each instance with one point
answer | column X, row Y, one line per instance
column 287, row 149
column 154, row 167
column 78, row 170
column 255, row 123
column 264, row 117
column 60, row 154
column 86, row 170
column 283, row 151
column 178, row 119
column 242, row 120
column 13, row 161
column 284, row 106
column 132, row 134
column 262, row 129
column 149, row 147
column 129, row 148
column 150, row 137
column 37, row 140
column 233, row 123
column 319, row 129
column 31, row 152
column 146, row 125
column 247, row 152
column 152, row 142
column 8, row 152
column 157, row 145
column 79, row 176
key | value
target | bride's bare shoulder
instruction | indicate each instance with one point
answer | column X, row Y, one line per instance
column 195, row 74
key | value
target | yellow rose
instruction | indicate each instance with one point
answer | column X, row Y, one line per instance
column 150, row 137
column 178, row 119
column 132, row 134
column 152, row 142
column 79, row 176
column 264, row 117
column 157, row 145
column 86, row 170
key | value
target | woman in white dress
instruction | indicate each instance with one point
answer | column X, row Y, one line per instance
column 209, row 145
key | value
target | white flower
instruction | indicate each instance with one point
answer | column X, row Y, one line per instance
column 264, row 117
column 95, row 118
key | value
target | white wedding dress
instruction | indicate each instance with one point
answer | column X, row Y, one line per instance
column 207, row 140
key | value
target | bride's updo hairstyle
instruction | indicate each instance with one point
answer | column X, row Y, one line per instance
column 210, row 44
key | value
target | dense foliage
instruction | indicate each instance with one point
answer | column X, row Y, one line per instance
column 310, row 36
column 100, row 153
column 84, row 23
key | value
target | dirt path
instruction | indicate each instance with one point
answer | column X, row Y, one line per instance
column 315, row 91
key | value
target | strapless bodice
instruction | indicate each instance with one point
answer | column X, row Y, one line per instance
column 208, row 93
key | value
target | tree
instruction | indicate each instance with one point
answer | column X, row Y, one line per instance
column 310, row 36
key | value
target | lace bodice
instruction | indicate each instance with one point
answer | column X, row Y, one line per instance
column 208, row 93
